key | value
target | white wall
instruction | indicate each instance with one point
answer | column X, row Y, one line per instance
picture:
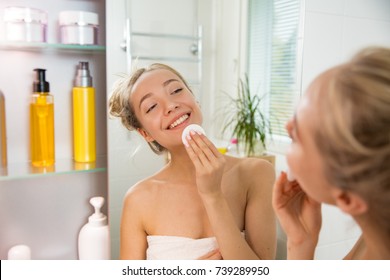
column 334, row 31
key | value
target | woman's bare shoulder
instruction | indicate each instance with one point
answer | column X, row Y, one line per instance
column 252, row 166
column 142, row 191
column 254, row 174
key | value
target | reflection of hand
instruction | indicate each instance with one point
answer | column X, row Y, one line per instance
column 209, row 163
column 212, row 255
column 299, row 216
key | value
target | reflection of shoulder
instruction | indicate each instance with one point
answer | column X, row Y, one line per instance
column 252, row 173
column 259, row 175
column 247, row 163
column 258, row 167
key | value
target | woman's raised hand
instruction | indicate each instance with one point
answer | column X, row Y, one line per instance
column 208, row 161
column 299, row 216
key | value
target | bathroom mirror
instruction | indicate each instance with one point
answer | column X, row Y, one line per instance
column 204, row 40
column 177, row 33
column 333, row 31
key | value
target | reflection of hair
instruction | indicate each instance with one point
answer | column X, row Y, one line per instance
column 120, row 105
column 354, row 135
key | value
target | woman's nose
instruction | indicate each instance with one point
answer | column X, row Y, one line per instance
column 171, row 107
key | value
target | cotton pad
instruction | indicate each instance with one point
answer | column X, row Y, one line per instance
column 186, row 132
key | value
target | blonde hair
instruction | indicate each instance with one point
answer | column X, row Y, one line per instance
column 121, row 107
column 354, row 134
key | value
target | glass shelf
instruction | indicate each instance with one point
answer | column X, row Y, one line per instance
column 62, row 166
column 31, row 46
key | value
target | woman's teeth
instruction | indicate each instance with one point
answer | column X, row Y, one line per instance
column 178, row 121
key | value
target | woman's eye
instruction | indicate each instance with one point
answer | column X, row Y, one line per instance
column 151, row 108
column 177, row 90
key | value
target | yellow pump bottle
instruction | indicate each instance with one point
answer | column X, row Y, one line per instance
column 42, row 123
column 84, row 135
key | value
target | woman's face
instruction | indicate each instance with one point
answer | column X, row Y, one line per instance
column 303, row 156
column 164, row 106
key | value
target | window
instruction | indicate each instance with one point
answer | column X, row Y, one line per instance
column 274, row 58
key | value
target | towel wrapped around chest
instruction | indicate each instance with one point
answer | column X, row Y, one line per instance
column 178, row 248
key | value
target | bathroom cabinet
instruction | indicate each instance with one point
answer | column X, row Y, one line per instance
column 44, row 208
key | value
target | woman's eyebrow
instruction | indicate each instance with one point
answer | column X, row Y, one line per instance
column 146, row 96
column 167, row 82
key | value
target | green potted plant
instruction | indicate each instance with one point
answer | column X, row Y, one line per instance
column 246, row 121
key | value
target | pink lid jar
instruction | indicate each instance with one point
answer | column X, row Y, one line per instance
column 78, row 27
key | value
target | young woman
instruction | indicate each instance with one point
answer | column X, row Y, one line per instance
column 340, row 155
column 202, row 204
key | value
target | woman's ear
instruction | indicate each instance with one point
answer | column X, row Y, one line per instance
column 350, row 202
column 145, row 135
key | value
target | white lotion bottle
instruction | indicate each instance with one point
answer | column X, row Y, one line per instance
column 94, row 236
column 19, row 252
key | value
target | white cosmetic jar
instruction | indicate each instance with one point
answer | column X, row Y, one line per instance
column 78, row 27
column 23, row 24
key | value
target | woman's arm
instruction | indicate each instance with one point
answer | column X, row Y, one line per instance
column 133, row 242
column 231, row 243
column 260, row 220
column 209, row 164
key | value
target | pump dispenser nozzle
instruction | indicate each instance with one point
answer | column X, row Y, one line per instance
column 98, row 217
column 94, row 236
column 83, row 77
column 40, row 85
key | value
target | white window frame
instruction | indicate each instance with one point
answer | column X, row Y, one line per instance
column 277, row 143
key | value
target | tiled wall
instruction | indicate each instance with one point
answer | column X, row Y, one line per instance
column 333, row 31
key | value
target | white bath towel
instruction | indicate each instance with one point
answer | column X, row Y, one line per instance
column 178, row 248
